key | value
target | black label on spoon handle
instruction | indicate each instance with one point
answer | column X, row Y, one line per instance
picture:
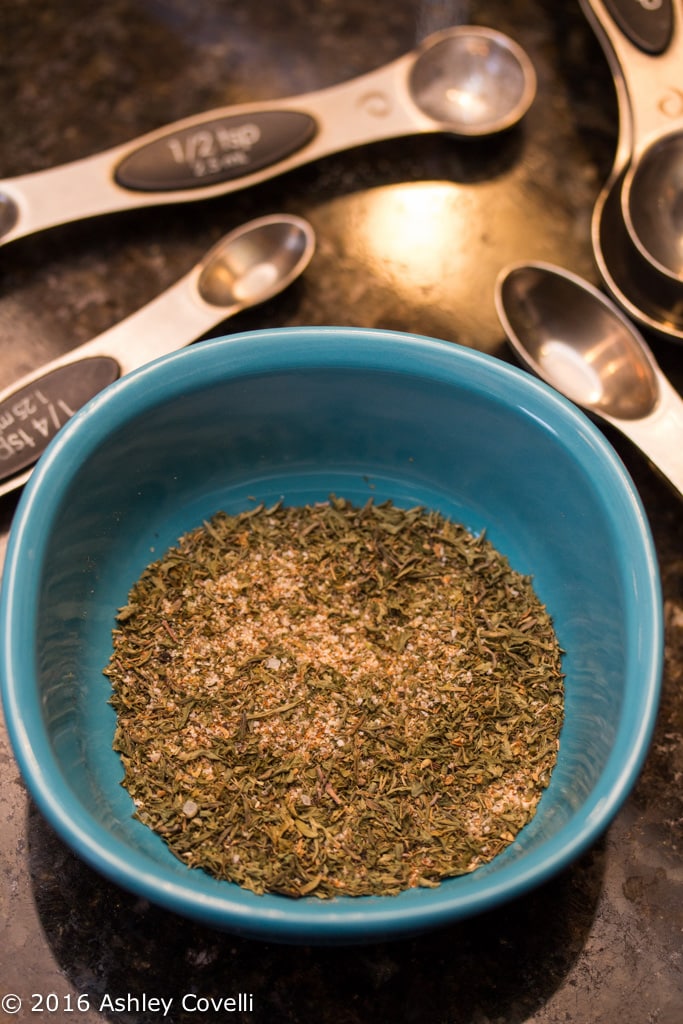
column 647, row 23
column 214, row 151
column 31, row 416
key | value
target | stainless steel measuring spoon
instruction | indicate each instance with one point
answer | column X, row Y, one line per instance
column 571, row 336
column 465, row 80
column 248, row 266
column 637, row 228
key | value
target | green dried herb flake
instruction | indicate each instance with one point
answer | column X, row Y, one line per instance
column 333, row 700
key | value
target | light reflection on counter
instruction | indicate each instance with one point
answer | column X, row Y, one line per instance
column 412, row 232
column 438, row 247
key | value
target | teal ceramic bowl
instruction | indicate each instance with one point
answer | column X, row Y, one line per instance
column 297, row 414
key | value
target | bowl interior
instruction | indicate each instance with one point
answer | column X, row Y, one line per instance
column 297, row 415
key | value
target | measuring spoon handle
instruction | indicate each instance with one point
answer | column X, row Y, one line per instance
column 660, row 435
column 249, row 265
column 35, row 408
column 643, row 43
column 213, row 153
column 648, row 25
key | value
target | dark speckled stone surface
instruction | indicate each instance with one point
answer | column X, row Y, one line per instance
column 411, row 235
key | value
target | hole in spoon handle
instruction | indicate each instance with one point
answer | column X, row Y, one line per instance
column 33, row 414
column 647, row 23
column 215, row 150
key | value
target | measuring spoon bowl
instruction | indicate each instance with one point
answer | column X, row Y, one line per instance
column 465, row 80
column 246, row 267
column 652, row 299
column 637, row 229
column 653, row 198
column 571, row 336
column 472, row 80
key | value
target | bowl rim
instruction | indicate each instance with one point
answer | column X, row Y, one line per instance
column 347, row 919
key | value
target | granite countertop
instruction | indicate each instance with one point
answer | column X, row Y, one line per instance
column 603, row 941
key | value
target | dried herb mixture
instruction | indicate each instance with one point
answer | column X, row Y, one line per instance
column 333, row 700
